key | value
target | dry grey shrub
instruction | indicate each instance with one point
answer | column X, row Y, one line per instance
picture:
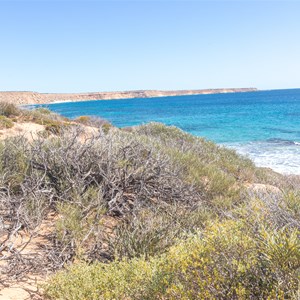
column 83, row 180
column 282, row 210
column 278, row 209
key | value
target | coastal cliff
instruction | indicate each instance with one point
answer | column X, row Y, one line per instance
column 21, row 98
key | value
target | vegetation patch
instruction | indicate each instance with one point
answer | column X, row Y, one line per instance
column 94, row 121
column 5, row 122
column 8, row 109
column 146, row 213
column 227, row 260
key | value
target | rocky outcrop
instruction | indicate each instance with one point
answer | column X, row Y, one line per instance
column 21, row 98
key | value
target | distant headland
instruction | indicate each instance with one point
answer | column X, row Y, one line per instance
column 22, row 98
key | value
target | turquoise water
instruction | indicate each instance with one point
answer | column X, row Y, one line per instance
column 262, row 125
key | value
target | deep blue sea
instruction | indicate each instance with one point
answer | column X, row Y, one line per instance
column 264, row 126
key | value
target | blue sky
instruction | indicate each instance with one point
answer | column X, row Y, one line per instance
column 80, row 46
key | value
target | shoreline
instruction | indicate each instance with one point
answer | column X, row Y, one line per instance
column 289, row 170
column 34, row 98
column 268, row 161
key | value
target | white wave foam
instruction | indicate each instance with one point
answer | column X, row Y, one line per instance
column 61, row 101
column 284, row 159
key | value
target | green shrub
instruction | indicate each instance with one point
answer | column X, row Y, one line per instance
column 8, row 109
column 54, row 127
column 292, row 201
column 152, row 231
column 43, row 110
column 165, row 133
column 106, row 127
column 80, row 221
column 231, row 262
column 42, row 116
column 34, row 209
column 226, row 261
column 201, row 151
column 94, row 122
column 14, row 162
column 214, row 182
column 5, row 122
column 70, row 223
column 133, row 279
column 83, row 120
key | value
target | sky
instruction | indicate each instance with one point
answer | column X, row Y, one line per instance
column 86, row 46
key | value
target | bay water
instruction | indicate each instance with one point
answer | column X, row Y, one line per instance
column 263, row 125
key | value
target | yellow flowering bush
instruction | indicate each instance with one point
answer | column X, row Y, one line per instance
column 226, row 261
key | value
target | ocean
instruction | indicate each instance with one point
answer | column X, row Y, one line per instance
column 264, row 125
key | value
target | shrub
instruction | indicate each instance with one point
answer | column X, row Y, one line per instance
column 106, row 127
column 54, row 127
column 83, row 120
column 8, row 109
column 43, row 110
column 203, row 151
column 5, row 122
column 42, row 116
column 14, row 163
column 94, row 121
column 126, row 280
column 151, row 231
column 226, row 261
column 80, row 224
column 278, row 209
column 125, row 174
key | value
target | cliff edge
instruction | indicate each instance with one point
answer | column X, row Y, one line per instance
column 21, row 98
